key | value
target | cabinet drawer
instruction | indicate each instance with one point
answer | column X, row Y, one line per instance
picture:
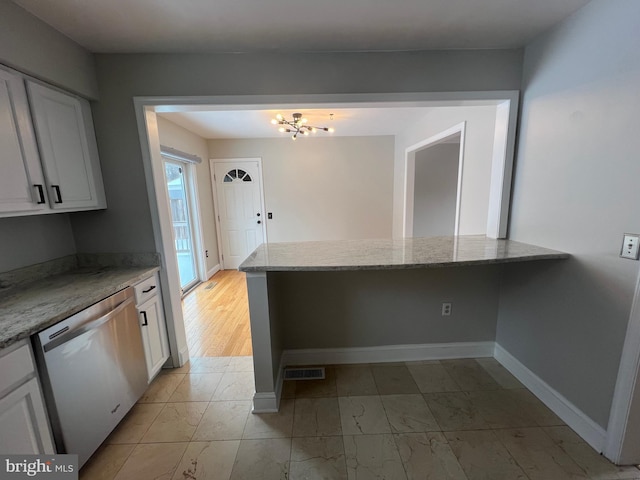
column 146, row 289
column 15, row 366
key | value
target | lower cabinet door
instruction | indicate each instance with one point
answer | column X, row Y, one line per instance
column 23, row 422
column 154, row 335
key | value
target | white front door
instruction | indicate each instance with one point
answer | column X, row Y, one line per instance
column 240, row 215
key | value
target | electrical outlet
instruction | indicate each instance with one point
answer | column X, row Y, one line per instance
column 630, row 245
column 446, row 309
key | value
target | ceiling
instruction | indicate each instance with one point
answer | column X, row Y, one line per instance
column 257, row 123
column 212, row 122
column 165, row 26
column 199, row 26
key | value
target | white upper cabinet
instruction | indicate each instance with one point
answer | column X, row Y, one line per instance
column 22, row 186
column 68, row 150
column 49, row 161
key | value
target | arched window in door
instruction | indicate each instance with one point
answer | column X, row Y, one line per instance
column 237, row 174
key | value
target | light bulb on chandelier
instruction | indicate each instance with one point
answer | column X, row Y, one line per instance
column 298, row 126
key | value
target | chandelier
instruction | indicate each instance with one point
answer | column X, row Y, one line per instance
column 298, row 126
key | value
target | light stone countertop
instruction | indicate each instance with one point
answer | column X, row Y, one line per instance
column 383, row 254
column 29, row 308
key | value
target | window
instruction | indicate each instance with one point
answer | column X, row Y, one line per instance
column 237, row 174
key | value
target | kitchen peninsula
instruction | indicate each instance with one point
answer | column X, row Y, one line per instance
column 357, row 301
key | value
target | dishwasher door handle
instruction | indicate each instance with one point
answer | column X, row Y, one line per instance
column 85, row 327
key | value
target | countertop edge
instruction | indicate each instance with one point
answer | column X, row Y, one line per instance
column 344, row 268
column 137, row 274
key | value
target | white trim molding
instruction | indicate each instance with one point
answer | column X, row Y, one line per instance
column 501, row 169
column 269, row 402
column 179, row 155
column 265, row 402
column 590, row 431
column 388, row 353
column 213, row 271
column 623, row 431
column 183, row 356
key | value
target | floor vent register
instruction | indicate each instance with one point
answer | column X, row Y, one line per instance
column 305, row 373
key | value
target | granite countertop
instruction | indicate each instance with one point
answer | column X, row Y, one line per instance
column 404, row 253
column 29, row 308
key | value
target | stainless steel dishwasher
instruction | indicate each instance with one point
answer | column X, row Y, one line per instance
column 93, row 371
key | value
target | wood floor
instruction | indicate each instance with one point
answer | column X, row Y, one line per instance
column 217, row 319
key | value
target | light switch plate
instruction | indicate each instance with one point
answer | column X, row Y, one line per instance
column 630, row 244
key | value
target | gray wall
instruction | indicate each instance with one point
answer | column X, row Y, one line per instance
column 126, row 225
column 30, row 46
column 576, row 190
column 33, row 47
column 391, row 307
column 29, row 240
column 436, row 189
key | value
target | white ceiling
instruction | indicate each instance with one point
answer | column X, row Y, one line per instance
column 365, row 120
column 257, row 123
column 137, row 26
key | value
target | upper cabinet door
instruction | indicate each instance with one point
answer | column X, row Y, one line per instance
column 64, row 129
column 22, row 187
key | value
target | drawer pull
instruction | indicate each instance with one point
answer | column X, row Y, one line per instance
column 149, row 289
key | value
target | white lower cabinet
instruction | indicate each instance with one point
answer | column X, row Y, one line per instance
column 24, row 428
column 152, row 324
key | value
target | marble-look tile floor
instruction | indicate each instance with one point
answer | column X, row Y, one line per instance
column 443, row 420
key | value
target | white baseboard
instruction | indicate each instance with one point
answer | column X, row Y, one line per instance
column 591, row 432
column 388, row 353
column 265, row 402
column 213, row 271
column 183, row 355
column 269, row 402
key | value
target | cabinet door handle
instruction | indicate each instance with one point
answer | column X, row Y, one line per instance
column 144, row 315
column 56, row 189
column 149, row 289
column 40, row 194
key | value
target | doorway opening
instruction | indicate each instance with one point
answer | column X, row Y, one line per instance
column 147, row 110
column 437, row 179
column 433, row 188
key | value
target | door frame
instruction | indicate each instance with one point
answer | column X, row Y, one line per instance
column 623, row 430
column 193, row 210
column 410, row 174
column 146, row 108
column 214, row 193
column 501, row 171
